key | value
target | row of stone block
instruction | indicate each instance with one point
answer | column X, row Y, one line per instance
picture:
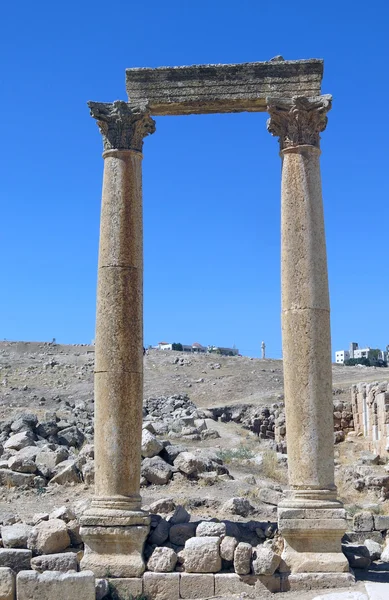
column 31, row 585
column 185, row 586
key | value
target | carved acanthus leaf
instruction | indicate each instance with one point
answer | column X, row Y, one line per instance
column 122, row 127
column 298, row 121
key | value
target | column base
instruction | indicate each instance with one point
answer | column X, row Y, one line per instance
column 312, row 537
column 114, row 541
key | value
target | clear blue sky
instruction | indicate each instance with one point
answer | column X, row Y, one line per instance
column 211, row 183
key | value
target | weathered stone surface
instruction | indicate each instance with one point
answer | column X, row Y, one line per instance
column 131, row 587
column 164, row 505
column 270, row 496
column 20, row 440
column 190, row 463
column 71, row 436
column 63, row 561
column 50, row 585
column 197, row 585
column 15, row 536
column 24, row 460
column 15, row 559
column 180, row 515
column 127, row 541
column 64, row 513
column 48, row 537
column 227, row 547
column 182, row 532
column 160, row 534
column 14, row 479
column 238, row 506
column 162, row 560
column 221, row 88
column 156, row 470
column 161, row 586
column 7, row 584
column 242, row 558
column 202, row 555
column 265, row 561
column 66, row 472
column 363, row 521
column 311, row 581
column 374, row 549
column 381, row 522
column 227, row 584
column 150, row 445
column 210, row 528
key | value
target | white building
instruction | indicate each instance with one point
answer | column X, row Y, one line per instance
column 355, row 352
column 164, row 346
column 341, row 356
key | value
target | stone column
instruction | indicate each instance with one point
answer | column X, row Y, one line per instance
column 114, row 529
column 312, row 520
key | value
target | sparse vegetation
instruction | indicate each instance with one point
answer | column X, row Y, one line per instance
column 271, row 468
column 231, row 454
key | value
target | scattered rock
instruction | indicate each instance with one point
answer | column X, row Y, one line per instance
column 49, row 537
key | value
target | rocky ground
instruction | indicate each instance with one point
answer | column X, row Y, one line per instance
column 201, row 456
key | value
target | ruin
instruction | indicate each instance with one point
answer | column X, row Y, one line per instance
column 312, row 520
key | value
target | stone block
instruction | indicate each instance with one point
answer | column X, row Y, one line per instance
column 51, row 585
column 242, row 558
column 161, row 586
column 227, row 547
column 363, row 521
column 265, row 561
column 197, row 585
column 15, row 536
column 179, row 534
column 344, row 596
column 210, row 528
column 312, row 581
column 381, row 522
column 17, row 560
column 162, row 560
column 49, row 537
column 202, row 555
column 231, row 583
column 272, row 583
column 63, row 561
column 127, row 587
column 7, row 584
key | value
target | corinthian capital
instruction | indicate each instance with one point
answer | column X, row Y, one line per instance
column 298, row 121
column 122, row 127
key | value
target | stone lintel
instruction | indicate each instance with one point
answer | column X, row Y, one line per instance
column 205, row 89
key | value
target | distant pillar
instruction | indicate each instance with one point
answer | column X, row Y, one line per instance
column 312, row 520
column 263, row 350
column 114, row 528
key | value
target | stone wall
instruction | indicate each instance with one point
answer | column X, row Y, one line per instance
column 370, row 406
column 268, row 421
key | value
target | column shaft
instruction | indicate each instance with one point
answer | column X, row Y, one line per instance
column 119, row 330
column 306, row 324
